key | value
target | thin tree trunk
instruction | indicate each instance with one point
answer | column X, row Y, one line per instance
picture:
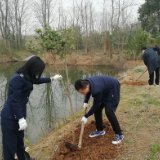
column 71, row 107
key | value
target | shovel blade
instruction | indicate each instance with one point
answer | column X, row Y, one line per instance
column 72, row 146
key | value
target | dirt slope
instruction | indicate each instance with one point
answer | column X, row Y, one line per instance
column 96, row 148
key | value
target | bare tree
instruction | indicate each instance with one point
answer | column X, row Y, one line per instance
column 44, row 11
column 4, row 11
column 85, row 10
column 13, row 16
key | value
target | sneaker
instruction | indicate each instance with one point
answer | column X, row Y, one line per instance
column 117, row 139
column 97, row 133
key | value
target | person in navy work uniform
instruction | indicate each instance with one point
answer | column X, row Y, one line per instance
column 152, row 61
column 106, row 93
column 13, row 114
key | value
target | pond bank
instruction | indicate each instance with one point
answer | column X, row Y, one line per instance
column 73, row 60
column 87, row 60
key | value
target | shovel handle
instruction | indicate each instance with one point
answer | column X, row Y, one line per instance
column 82, row 130
column 141, row 74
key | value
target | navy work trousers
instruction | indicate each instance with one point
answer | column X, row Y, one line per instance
column 151, row 77
column 12, row 139
column 111, row 117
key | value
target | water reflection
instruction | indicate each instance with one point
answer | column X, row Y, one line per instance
column 48, row 103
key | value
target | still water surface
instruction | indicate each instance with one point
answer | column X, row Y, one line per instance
column 48, row 103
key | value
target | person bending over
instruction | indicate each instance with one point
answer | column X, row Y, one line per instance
column 106, row 93
column 152, row 61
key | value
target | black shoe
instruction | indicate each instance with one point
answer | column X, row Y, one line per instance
column 27, row 156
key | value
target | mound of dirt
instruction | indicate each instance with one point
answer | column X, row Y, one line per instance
column 97, row 148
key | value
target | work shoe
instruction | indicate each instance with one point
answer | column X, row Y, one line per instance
column 27, row 156
column 117, row 139
column 97, row 133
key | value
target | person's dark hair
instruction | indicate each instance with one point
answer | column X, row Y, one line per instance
column 143, row 48
column 80, row 84
column 33, row 68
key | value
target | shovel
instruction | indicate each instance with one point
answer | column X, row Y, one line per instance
column 75, row 147
column 141, row 74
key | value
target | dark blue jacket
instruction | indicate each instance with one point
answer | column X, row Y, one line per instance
column 157, row 49
column 151, row 60
column 19, row 90
column 104, row 89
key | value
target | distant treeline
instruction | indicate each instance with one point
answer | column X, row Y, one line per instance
column 98, row 26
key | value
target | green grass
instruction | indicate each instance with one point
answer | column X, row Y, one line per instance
column 153, row 101
column 135, row 102
column 139, row 70
column 68, row 119
column 138, row 115
column 155, row 119
column 146, row 95
column 61, row 124
column 154, row 149
column 21, row 54
column 129, row 141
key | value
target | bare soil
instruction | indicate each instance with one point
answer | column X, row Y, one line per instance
column 97, row 148
column 136, row 83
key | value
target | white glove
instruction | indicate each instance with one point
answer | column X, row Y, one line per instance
column 85, row 105
column 57, row 77
column 84, row 119
column 22, row 124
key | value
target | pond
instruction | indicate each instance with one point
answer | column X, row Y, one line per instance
column 48, row 103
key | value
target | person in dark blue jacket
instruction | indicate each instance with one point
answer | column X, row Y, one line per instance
column 13, row 114
column 106, row 93
column 152, row 61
